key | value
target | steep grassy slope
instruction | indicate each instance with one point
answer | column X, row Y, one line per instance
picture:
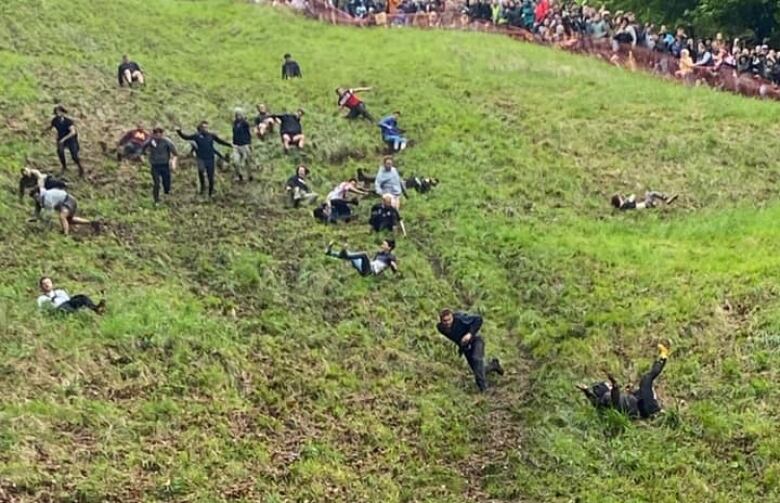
column 329, row 387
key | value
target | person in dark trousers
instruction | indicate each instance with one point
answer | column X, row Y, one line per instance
column 463, row 330
column 392, row 135
column 291, row 130
column 290, row 68
column 67, row 138
column 131, row 143
column 162, row 156
column 422, row 185
column 205, row 151
column 651, row 200
column 129, row 72
column 59, row 300
column 639, row 403
column 384, row 217
column 365, row 266
column 349, row 99
column 297, row 188
column 242, row 146
column 29, row 179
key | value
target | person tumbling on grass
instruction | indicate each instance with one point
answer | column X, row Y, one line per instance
column 383, row 259
column 291, row 130
column 205, row 151
column 463, row 330
column 61, row 202
column 639, row 403
column 651, row 200
column 392, row 135
column 29, row 179
column 59, row 300
column 349, row 99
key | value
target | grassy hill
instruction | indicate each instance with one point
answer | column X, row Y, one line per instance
column 328, row 387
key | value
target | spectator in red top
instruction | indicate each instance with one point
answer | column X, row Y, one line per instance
column 348, row 99
column 541, row 11
column 132, row 143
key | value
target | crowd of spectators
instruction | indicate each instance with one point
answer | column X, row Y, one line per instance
column 363, row 8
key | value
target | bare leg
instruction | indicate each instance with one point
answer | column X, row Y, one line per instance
column 63, row 216
column 128, row 77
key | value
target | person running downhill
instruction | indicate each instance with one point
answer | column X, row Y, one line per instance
column 67, row 138
column 62, row 203
column 639, row 403
column 59, row 300
column 291, row 129
column 392, row 135
column 242, row 146
column 162, row 159
column 205, row 151
column 383, row 259
column 350, row 100
column 463, row 330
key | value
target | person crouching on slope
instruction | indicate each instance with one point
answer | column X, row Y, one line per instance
column 651, row 200
column 463, row 330
column 383, row 259
column 62, row 203
column 60, row 301
column 639, row 403
column 291, row 130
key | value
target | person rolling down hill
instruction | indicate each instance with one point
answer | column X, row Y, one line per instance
column 297, row 188
column 205, row 151
column 349, row 99
column 29, row 179
column 639, row 403
column 385, row 217
column 651, row 200
column 383, row 259
column 392, row 135
column 290, row 68
column 67, row 138
column 62, row 203
column 59, row 300
column 291, row 130
column 162, row 159
column 463, row 330
column 129, row 72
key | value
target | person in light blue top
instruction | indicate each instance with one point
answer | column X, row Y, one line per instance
column 392, row 135
column 388, row 182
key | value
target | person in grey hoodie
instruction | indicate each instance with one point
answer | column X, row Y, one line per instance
column 162, row 158
column 388, row 181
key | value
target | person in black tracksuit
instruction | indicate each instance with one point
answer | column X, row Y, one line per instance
column 67, row 138
column 463, row 330
column 639, row 403
column 204, row 147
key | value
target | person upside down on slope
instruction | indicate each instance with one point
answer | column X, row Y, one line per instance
column 383, row 259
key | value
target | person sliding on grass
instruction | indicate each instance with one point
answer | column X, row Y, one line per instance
column 59, row 201
column 162, row 159
column 129, row 72
column 67, row 138
column 298, row 189
column 463, row 330
column 336, row 205
column 384, row 216
column 205, row 151
column 639, row 403
column 291, row 130
column 29, row 180
column 650, row 201
column 391, row 133
column 382, row 260
column 60, row 301
column 132, row 143
column 348, row 99
column 264, row 122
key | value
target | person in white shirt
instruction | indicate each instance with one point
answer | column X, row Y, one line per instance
column 59, row 201
column 59, row 300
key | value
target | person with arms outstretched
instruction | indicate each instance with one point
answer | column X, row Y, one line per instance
column 67, row 138
column 205, row 151
column 349, row 99
column 638, row 403
column 463, row 330
column 365, row 266
column 58, row 300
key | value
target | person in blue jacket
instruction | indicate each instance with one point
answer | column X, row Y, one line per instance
column 392, row 135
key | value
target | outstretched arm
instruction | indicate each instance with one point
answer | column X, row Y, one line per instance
column 183, row 136
column 361, row 89
column 222, row 142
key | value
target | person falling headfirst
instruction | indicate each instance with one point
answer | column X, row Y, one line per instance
column 129, row 72
column 463, row 330
column 29, row 179
column 639, row 403
column 67, row 138
column 205, row 151
column 349, row 99
column 290, row 68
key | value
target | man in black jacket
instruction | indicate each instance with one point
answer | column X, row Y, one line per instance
column 298, row 189
column 290, row 68
column 205, row 151
column 67, row 138
column 242, row 146
column 463, row 330
column 291, row 129
column 384, row 217
column 129, row 72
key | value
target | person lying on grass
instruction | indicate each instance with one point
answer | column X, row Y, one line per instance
column 349, row 99
column 131, row 144
column 392, row 135
column 61, row 202
column 29, row 179
column 651, row 200
column 639, row 403
column 59, row 300
column 297, row 188
column 385, row 217
column 336, row 205
column 383, row 259
column 463, row 330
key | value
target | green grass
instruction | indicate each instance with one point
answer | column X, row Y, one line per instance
column 328, row 387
